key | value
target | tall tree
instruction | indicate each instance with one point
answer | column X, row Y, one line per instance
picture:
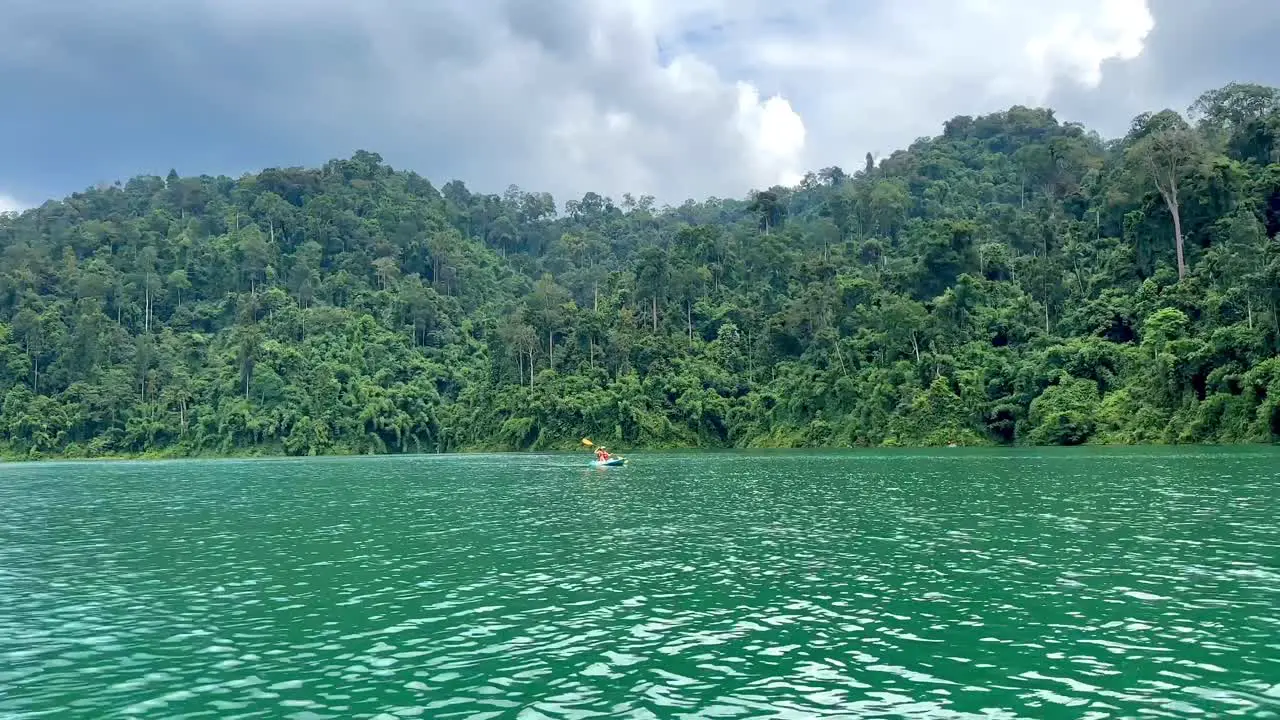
column 1166, row 157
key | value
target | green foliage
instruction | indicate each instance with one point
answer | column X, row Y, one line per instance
column 1013, row 280
column 1064, row 414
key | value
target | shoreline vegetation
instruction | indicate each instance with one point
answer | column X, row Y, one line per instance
column 268, row 453
column 572, row 454
column 1016, row 280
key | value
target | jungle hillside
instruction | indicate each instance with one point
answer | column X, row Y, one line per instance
column 1016, row 279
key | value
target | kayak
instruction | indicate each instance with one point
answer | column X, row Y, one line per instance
column 611, row 462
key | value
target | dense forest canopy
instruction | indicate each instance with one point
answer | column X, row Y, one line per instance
column 1015, row 279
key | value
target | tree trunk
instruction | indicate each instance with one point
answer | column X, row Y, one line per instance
column 1171, row 202
column 1047, row 267
column 840, row 357
column 1177, row 239
column 655, row 312
column 915, row 345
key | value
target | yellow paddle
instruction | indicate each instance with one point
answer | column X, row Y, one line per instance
column 588, row 443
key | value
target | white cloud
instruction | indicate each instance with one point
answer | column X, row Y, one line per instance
column 774, row 134
column 1080, row 43
column 754, row 93
column 675, row 98
column 873, row 76
column 10, row 204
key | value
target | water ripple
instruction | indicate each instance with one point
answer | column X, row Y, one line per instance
column 950, row 585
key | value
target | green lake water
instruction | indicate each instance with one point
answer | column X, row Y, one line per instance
column 1126, row 583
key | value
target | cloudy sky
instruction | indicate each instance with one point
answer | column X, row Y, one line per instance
column 674, row 98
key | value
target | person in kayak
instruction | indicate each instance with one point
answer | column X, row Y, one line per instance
column 602, row 455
